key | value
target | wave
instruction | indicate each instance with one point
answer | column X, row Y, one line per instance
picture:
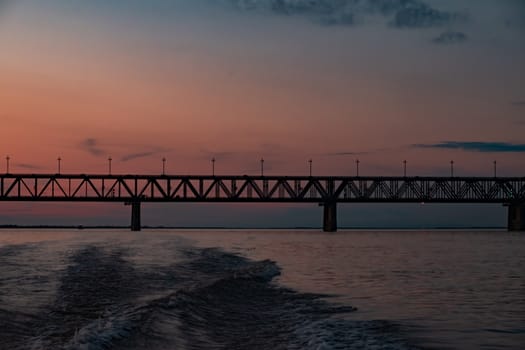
column 211, row 299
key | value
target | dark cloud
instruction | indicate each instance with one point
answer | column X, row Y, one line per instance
column 28, row 166
column 422, row 16
column 518, row 103
column 485, row 147
column 325, row 12
column 91, row 146
column 399, row 13
column 346, row 153
column 450, row 37
column 132, row 156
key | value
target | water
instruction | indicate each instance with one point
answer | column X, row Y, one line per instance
column 257, row 289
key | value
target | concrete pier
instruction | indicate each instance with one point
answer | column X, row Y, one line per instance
column 135, row 216
column 516, row 218
column 330, row 217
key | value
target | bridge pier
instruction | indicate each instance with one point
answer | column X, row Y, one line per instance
column 330, row 217
column 135, row 216
column 516, row 217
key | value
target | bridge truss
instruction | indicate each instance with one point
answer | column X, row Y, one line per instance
column 175, row 188
column 325, row 190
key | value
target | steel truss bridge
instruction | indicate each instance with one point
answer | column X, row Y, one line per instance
column 325, row 190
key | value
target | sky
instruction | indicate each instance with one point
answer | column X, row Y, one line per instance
column 382, row 81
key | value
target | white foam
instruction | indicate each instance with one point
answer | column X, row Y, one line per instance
column 345, row 334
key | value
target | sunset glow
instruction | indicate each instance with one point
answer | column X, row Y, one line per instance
column 191, row 80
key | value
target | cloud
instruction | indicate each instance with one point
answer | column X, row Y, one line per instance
column 91, row 146
column 450, row 37
column 28, row 166
column 420, row 15
column 518, row 103
column 325, row 12
column 132, row 156
column 346, row 153
column 399, row 13
column 484, row 147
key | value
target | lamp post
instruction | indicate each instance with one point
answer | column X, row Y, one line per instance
column 109, row 165
column 495, row 169
column 58, row 160
column 7, row 164
column 451, row 168
column 405, row 168
column 262, row 166
column 163, row 166
column 310, row 162
column 213, row 166
column 357, row 167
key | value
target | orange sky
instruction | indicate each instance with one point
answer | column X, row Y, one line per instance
column 200, row 92
column 89, row 81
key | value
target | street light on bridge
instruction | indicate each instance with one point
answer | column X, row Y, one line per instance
column 310, row 162
column 262, row 166
column 357, row 167
column 109, row 165
column 7, row 164
column 163, row 166
column 405, row 168
column 495, row 169
column 58, row 160
column 451, row 168
column 213, row 166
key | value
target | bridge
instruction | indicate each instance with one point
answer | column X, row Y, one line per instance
column 327, row 191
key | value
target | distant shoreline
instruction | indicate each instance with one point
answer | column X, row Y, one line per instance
column 106, row 227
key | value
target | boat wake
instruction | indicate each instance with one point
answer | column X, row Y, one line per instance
column 209, row 299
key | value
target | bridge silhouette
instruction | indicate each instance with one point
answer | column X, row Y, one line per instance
column 327, row 191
